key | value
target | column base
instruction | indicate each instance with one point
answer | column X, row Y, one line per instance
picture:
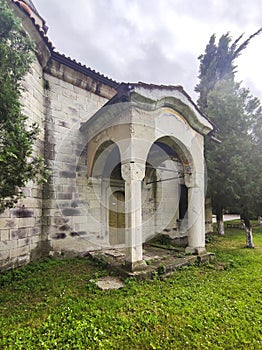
column 196, row 251
column 135, row 266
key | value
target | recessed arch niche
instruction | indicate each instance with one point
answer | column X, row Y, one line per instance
column 107, row 167
column 165, row 196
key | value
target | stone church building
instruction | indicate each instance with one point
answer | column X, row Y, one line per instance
column 126, row 162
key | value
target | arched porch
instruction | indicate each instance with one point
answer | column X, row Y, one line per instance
column 134, row 154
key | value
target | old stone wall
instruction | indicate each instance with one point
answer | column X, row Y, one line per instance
column 58, row 217
column 69, row 198
column 20, row 228
column 63, row 217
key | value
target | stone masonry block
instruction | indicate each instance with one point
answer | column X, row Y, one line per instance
column 71, row 212
column 8, row 245
column 69, row 189
column 35, row 231
column 23, row 242
column 15, row 253
column 34, row 240
column 64, row 196
column 65, row 158
column 6, row 223
column 19, row 233
column 36, row 193
column 81, row 220
column 4, row 235
column 68, row 174
column 4, row 255
column 27, row 222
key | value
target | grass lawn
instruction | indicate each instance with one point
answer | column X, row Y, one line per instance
column 53, row 305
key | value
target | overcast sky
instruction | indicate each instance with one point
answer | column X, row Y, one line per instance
column 154, row 41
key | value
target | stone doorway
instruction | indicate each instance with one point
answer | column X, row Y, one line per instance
column 117, row 218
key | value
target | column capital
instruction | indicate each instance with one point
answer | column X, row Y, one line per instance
column 133, row 171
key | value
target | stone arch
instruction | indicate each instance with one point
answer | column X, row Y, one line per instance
column 101, row 144
column 166, row 165
column 105, row 159
column 189, row 146
column 107, row 168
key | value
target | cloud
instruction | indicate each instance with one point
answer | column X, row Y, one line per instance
column 155, row 41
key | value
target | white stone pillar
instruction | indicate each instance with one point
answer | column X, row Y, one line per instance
column 196, row 221
column 104, row 208
column 133, row 174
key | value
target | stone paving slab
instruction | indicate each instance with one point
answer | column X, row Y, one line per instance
column 109, row 282
column 159, row 261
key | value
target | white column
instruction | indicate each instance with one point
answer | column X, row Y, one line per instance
column 196, row 221
column 133, row 174
column 195, row 182
column 104, row 208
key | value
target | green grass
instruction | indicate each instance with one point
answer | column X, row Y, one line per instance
column 53, row 304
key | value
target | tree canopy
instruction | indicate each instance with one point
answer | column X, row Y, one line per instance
column 18, row 164
column 234, row 165
column 217, row 63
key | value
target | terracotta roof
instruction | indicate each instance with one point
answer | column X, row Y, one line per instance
column 30, row 3
column 32, row 13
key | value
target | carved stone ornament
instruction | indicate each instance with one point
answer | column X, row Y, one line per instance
column 133, row 171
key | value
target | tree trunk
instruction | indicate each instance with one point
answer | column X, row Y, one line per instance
column 249, row 235
column 248, row 228
column 220, row 222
